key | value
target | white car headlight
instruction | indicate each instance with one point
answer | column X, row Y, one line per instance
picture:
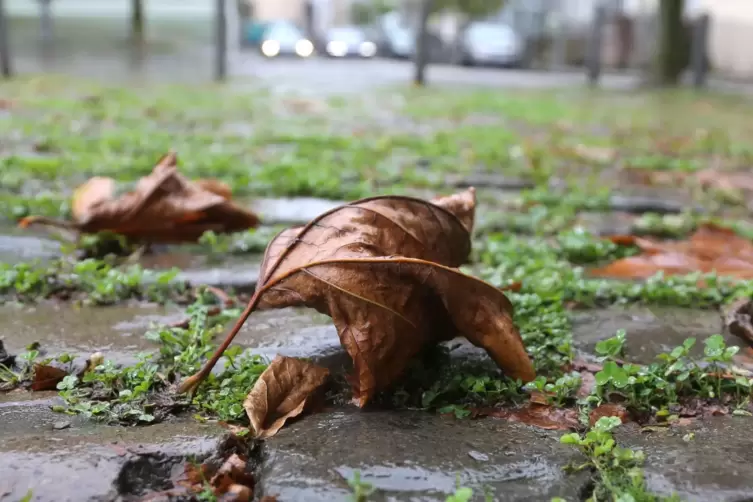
column 270, row 48
column 367, row 49
column 304, row 48
column 337, row 48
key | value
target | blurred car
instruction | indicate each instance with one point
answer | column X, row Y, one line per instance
column 253, row 33
column 283, row 38
column 491, row 43
column 393, row 38
column 349, row 41
column 400, row 43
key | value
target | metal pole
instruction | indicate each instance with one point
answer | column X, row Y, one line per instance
column 220, row 32
column 5, row 64
column 593, row 62
column 698, row 47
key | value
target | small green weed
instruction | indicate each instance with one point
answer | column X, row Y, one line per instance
column 21, row 368
column 361, row 490
column 617, row 471
column 92, row 281
column 140, row 393
column 675, row 376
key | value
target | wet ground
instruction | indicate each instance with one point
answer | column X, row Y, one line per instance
column 406, row 456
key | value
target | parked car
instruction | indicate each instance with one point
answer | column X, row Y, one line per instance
column 349, row 41
column 280, row 38
column 491, row 43
column 253, row 33
column 393, row 38
column 397, row 39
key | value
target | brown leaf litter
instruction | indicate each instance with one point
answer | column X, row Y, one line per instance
column 385, row 270
column 608, row 410
column 45, row 376
column 164, row 207
column 737, row 319
column 232, row 481
column 543, row 416
column 281, row 393
column 710, row 249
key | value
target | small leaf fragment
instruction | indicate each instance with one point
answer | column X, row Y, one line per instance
column 282, row 392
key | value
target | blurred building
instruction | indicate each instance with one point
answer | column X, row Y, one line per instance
column 731, row 33
column 324, row 13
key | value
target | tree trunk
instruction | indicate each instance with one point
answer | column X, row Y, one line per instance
column 45, row 27
column 220, row 33
column 5, row 66
column 137, row 21
column 421, row 54
column 672, row 43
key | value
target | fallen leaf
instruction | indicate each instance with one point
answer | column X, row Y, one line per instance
column 738, row 319
column 596, row 154
column 608, row 410
column 725, row 180
column 236, row 493
column 744, row 359
column 537, row 415
column 47, row 377
column 514, row 287
column 581, row 365
column 538, row 397
column 715, row 410
column 710, row 249
column 232, row 474
column 587, row 384
column 164, row 207
column 383, row 269
column 231, row 482
column 683, row 422
column 281, row 393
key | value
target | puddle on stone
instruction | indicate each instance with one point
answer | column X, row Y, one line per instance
column 650, row 331
column 312, row 459
column 715, row 466
column 116, row 331
column 90, row 461
column 16, row 248
column 228, row 271
column 291, row 211
column 292, row 332
column 608, row 223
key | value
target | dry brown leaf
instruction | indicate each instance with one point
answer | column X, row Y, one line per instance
column 710, row 249
column 164, row 207
column 282, row 392
column 538, row 415
column 47, row 377
column 595, row 154
column 382, row 269
column 231, row 482
column 728, row 181
column 587, row 385
column 738, row 319
column 608, row 410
